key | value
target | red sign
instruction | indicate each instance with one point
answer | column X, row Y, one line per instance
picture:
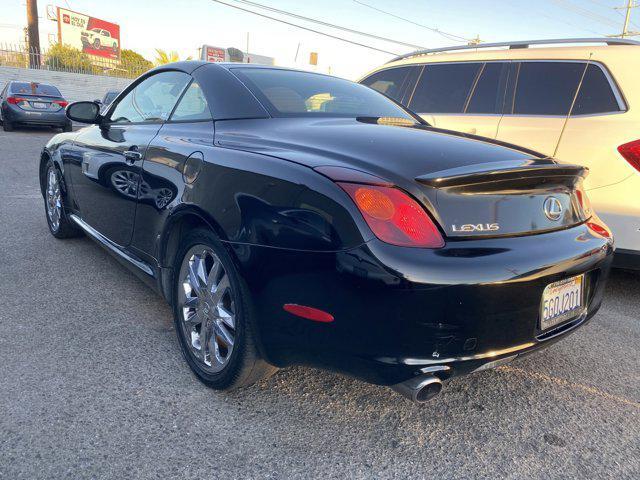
column 214, row 54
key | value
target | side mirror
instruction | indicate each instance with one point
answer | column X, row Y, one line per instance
column 84, row 112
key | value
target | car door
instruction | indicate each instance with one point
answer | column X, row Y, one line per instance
column 106, row 178
column 537, row 108
column 175, row 156
column 464, row 96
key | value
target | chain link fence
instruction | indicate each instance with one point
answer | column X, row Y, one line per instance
column 63, row 58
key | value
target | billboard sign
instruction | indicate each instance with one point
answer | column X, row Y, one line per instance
column 93, row 36
column 212, row 54
column 216, row 54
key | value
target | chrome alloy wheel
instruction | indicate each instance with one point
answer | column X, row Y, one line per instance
column 54, row 199
column 207, row 307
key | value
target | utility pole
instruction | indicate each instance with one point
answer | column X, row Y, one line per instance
column 34, row 33
column 248, row 57
column 627, row 17
column 475, row 41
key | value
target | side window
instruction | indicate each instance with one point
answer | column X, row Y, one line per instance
column 596, row 95
column 546, row 88
column 192, row 106
column 152, row 100
column 444, row 88
column 488, row 95
column 390, row 82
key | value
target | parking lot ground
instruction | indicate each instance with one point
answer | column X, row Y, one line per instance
column 93, row 385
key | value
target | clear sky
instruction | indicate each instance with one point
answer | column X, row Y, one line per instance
column 184, row 25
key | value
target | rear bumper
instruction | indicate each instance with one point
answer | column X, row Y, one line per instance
column 17, row 115
column 402, row 311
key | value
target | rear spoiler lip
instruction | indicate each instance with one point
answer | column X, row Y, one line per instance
column 498, row 171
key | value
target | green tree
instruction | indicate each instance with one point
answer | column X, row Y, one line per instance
column 163, row 57
column 68, row 58
column 133, row 64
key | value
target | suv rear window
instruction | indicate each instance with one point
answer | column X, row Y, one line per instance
column 444, row 88
column 548, row 88
column 34, row 88
column 596, row 95
column 391, row 82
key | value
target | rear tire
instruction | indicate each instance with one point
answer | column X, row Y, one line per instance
column 7, row 126
column 211, row 302
column 59, row 223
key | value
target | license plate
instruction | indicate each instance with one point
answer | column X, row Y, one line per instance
column 561, row 301
column 39, row 105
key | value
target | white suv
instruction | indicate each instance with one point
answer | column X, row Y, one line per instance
column 523, row 93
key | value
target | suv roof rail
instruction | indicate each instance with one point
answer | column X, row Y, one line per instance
column 519, row 44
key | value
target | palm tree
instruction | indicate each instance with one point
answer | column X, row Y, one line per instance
column 163, row 57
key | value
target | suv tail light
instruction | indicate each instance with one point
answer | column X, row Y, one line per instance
column 15, row 100
column 631, row 153
column 394, row 216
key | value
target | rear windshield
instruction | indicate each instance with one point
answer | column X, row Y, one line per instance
column 34, row 89
column 288, row 93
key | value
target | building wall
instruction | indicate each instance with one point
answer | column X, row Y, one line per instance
column 73, row 86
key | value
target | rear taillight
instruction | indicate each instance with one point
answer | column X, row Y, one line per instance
column 62, row 103
column 394, row 216
column 15, row 100
column 631, row 153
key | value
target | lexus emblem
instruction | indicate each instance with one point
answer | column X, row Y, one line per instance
column 552, row 208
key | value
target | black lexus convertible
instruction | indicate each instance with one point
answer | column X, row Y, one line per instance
column 296, row 218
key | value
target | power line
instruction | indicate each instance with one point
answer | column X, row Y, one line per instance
column 615, row 9
column 335, row 37
column 449, row 36
column 585, row 12
column 327, row 24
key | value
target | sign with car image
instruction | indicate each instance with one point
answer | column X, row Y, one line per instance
column 92, row 35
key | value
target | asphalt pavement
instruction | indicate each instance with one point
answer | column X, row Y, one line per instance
column 93, row 385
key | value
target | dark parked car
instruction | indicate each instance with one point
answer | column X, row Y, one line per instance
column 296, row 218
column 31, row 103
column 108, row 98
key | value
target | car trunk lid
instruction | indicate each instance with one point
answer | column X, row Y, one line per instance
column 517, row 197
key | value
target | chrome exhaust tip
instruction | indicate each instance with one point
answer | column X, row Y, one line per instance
column 419, row 389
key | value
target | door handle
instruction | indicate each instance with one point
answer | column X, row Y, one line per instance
column 132, row 155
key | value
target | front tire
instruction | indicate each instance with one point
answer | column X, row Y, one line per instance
column 59, row 224
column 213, row 315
